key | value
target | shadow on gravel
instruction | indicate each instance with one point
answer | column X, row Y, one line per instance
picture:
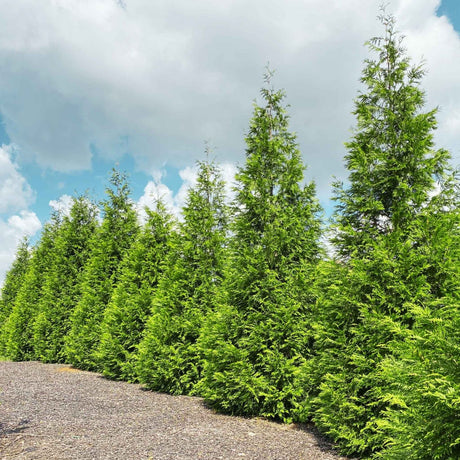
column 323, row 444
column 321, row 441
column 6, row 430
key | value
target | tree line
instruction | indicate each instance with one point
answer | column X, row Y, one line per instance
column 241, row 305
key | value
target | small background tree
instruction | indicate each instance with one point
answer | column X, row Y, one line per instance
column 62, row 288
column 169, row 359
column 110, row 243
column 131, row 302
column 13, row 281
column 17, row 331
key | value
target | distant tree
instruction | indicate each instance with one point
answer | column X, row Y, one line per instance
column 62, row 287
column 17, row 331
column 256, row 347
column 191, row 287
column 117, row 232
column 13, row 281
column 382, row 243
column 130, row 306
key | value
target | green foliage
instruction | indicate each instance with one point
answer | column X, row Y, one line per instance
column 256, row 347
column 424, row 372
column 366, row 309
column 13, row 282
column 61, row 289
column 118, row 230
column 126, row 315
column 169, row 359
column 383, row 239
column 426, row 384
column 17, row 331
column 421, row 421
column 391, row 162
column 251, row 315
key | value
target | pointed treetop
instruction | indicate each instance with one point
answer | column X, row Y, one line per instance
column 391, row 158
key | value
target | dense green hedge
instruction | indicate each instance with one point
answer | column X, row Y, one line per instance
column 241, row 304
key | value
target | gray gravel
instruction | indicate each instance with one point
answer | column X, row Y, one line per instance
column 50, row 411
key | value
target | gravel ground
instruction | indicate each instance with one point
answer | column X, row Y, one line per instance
column 50, row 411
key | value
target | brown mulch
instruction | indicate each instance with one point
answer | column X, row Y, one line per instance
column 51, row 411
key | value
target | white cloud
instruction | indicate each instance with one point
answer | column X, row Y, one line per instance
column 157, row 78
column 189, row 176
column 15, row 197
column 12, row 231
column 155, row 190
column 15, row 192
column 174, row 202
column 63, row 205
column 229, row 171
column 24, row 224
column 434, row 40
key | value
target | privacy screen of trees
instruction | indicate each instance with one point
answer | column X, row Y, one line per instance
column 240, row 303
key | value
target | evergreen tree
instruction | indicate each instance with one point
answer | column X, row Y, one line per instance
column 13, row 281
column 130, row 305
column 61, row 289
column 110, row 243
column 169, row 359
column 391, row 160
column 256, row 346
column 382, row 246
column 423, row 371
column 18, row 329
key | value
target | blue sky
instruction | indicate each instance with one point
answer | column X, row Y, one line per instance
column 86, row 85
column 451, row 8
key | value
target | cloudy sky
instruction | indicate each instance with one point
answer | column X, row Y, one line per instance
column 87, row 84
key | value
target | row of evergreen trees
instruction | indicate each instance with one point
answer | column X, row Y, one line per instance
column 240, row 304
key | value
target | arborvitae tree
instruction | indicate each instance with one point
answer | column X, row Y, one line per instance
column 110, row 243
column 61, row 289
column 130, row 305
column 381, row 245
column 13, row 282
column 18, row 329
column 191, row 287
column 256, row 347
column 391, row 160
column 423, row 371
column 422, row 421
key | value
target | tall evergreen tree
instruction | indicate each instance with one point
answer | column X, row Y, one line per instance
column 169, row 359
column 257, row 345
column 62, row 287
column 391, row 159
column 382, row 245
column 18, row 329
column 126, row 315
column 110, row 243
column 13, row 282
column 423, row 370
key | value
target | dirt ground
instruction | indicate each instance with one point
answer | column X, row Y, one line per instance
column 50, row 411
